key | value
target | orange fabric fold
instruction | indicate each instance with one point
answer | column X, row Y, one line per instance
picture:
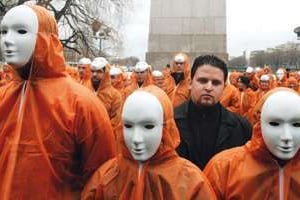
column 54, row 133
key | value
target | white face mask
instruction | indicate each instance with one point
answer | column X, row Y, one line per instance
column 19, row 29
column 280, row 74
column 143, row 124
column 280, row 124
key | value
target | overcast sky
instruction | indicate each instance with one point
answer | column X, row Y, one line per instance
column 251, row 25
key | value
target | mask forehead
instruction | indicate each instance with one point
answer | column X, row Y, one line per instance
column 142, row 106
column 21, row 16
column 281, row 105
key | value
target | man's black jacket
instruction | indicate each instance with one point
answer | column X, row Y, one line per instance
column 234, row 131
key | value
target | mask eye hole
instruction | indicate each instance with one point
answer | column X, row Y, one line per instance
column 149, row 126
column 296, row 124
column 22, row 31
column 128, row 125
column 274, row 123
column 3, row 32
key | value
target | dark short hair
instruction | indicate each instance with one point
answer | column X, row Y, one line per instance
column 209, row 60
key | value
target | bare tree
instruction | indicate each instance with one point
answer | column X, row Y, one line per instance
column 84, row 24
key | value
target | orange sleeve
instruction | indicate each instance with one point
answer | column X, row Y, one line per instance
column 251, row 101
column 230, row 99
column 116, row 109
column 181, row 93
column 217, row 177
column 169, row 86
column 93, row 189
column 235, row 105
column 94, row 136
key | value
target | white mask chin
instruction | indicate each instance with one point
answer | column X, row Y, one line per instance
column 280, row 124
column 143, row 124
column 19, row 29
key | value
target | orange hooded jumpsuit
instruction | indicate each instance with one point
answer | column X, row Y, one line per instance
column 73, row 72
column 250, row 171
column 230, row 98
column 134, row 84
column 119, row 84
column 181, row 91
column 282, row 83
column 111, row 98
column 292, row 83
column 86, row 78
column 54, row 133
column 163, row 176
column 166, row 83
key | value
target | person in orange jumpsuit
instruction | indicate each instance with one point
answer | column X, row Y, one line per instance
column 266, row 70
column 148, row 166
column 266, row 167
column 254, row 80
column 117, row 80
column 247, row 97
column 230, row 98
column 73, row 72
column 180, row 71
column 295, row 74
column 233, row 78
column 293, row 84
column 140, row 77
column 166, row 70
column 84, row 70
column 109, row 96
column 265, row 84
column 281, row 75
column 54, row 133
column 160, row 81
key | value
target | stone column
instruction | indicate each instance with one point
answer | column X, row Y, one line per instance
column 195, row 27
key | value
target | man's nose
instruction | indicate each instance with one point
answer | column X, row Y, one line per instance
column 208, row 85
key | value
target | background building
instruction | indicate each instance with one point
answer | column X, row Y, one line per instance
column 195, row 27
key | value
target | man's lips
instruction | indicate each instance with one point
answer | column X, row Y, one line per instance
column 206, row 96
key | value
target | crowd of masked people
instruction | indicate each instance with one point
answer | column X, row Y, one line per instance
column 96, row 131
column 114, row 83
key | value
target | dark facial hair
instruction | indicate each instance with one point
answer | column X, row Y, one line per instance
column 178, row 76
column 96, row 84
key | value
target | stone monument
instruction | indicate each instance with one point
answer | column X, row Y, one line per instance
column 195, row 27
